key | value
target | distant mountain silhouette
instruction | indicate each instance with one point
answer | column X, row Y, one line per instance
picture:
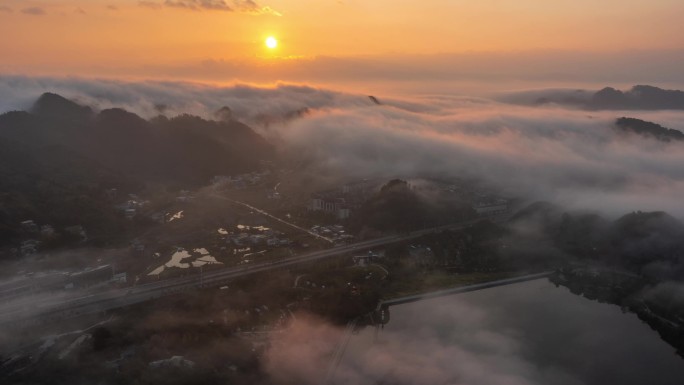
column 56, row 106
column 640, row 97
column 182, row 150
column 648, row 129
column 288, row 116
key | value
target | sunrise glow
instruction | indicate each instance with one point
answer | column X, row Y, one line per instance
column 271, row 42
column 161, row 36
column 243, row 191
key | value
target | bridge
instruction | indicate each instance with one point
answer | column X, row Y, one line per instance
column 463, row 289
column 383, row 311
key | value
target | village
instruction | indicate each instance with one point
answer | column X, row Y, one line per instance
column 238, row 220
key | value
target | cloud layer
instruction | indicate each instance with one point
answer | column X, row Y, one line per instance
column 555, row 154
column 35, row 11
column 572, row 157
column 244, row 6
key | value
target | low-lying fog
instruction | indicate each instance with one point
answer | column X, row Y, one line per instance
column 569, row 156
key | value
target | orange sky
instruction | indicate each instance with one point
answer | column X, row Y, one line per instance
column 120, row 37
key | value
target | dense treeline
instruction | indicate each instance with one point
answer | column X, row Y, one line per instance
column 58, row 161
column 399, row 207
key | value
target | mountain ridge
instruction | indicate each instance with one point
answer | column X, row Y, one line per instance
column 59, row 159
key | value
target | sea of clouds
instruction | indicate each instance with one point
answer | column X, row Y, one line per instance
column 569, row 156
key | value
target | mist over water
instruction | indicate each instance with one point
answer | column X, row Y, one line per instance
column 524, row 334
column 234, row 192
column 528, row 334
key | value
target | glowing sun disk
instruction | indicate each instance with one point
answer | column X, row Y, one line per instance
column 271, row 42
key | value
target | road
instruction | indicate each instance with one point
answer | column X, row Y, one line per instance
column 262, row 212
column 48, row 307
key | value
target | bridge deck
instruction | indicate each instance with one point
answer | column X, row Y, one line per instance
column 462, row 289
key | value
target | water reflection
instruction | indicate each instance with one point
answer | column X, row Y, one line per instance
column 529, row 333
column 181, row 254
column 176, row 216
column 257, row 228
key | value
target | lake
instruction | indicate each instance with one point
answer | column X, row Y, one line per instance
column 527, row 333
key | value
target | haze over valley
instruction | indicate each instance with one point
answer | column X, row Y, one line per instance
column 239, row 192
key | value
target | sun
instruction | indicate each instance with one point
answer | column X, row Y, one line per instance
column 271, row 42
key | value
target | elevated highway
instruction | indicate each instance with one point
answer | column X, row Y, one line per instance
column 45, row 308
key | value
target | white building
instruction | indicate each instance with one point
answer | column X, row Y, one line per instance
column 336, row 206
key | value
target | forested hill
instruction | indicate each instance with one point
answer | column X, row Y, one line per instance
column 639, row 97
column 184, row 149
column 58, row 159
column 648, row 129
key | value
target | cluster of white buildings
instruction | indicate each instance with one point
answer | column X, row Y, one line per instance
column 334, row 233
column 491, row 207
column 34, row 235
column 241, row 181
column 369, row 258
column 484, row 202
column 333, row 205
column 31, row 227
column 343, row 200
column 268, row 237
column 132, row 205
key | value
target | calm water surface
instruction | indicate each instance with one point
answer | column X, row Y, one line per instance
column 528, row 333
